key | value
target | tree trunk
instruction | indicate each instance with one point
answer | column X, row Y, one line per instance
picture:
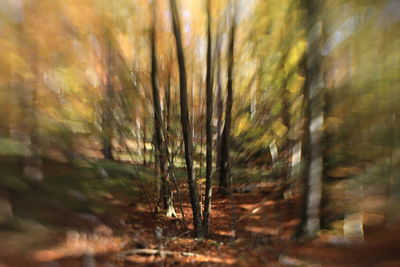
column 224, row 168
column 209, row 112
column 220, row 103
column 185, row 121
column 6, row 213
column 144, row 139
column 106, row 114
column 314, row 91
column 138, row 135
column 160, row 145
column 168, row 109
column 285, row 115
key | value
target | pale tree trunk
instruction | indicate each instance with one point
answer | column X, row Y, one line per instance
column 160, row 145
column 168, row 109
column 144, row 140
column 220, row 103
column 315, row 114
column 185, row 121
column 253, row 102
column 193, row 109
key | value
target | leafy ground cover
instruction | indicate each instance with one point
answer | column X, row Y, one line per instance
column 108, row 221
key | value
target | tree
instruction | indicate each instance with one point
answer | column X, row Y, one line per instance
column 314, row 122
column 219, row 101
column 185, row 121
column 106, row 114
column 160, row 143
column 224, row 178
column 209, row 113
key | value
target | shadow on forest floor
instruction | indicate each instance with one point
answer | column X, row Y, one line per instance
column 247, row 229
column 256, row 229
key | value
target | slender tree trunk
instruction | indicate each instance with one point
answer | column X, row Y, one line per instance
column 314, row 87
column 168, row 109
column 305, row 155
column 138, row 136
column 224, row 168
column 106, row 115
column 160, row 145
column 200, row 128
column 220, row 103
column 285, row 114
column 144, row 144
column 185, row 121
column 209, row 113
column 6, row 211
column 193, row 110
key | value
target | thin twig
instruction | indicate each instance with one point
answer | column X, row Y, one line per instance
column 172, row 176
column 135, row 168
column 176, row 237
column 157, row 251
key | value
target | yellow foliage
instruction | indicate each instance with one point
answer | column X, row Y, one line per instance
column 296, row 53
column 201, row 180
column 242, row 125
column 263, row 141
column 297, row 84
column 278, row 128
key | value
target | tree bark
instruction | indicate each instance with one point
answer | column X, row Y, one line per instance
column 224, row 168
column 314, row 88
column 160, row 145
column 144, row 139
column 209, row 112
column 220, row 103
column 185, row 121
column 106, row 114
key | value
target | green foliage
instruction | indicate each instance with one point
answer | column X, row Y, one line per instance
column 10, row 147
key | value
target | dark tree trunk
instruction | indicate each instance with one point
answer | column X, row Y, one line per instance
column 106, row 115
column 160, row 145
column 6, row 211
column 186, row 131
column 209, row 112
column 224, row 168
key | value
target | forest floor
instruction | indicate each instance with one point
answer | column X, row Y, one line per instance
column 252, row 227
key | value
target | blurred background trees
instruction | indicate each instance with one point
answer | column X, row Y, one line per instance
column 305, row 93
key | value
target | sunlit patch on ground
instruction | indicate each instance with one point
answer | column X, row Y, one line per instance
column 80, row 243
